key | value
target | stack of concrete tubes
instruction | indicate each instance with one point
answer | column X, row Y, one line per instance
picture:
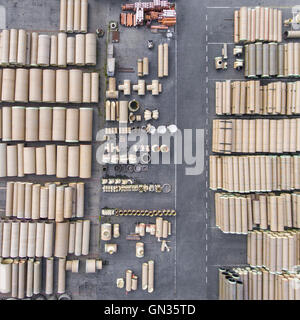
column 272, row 60
column 61, row 161
column 49, row 85
column 256, row 135
column 19, row 123
column 254, row 98
column 245, row 174
column 247, row 283
column 148, row 276
column 43, row 238
column 52, row 201
column 23, row 48
column 276, row 251
column 257, row 24
column 238, row 214
column 22, row 277
column 73, row 16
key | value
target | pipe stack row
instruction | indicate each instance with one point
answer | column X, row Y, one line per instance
column 46, row 124
column 254, row 98
column 257, row 24
column 50, row 86
column 276, row 251
column 62, row 161
column 256, row 135
column 238, row 213
column 245, row 174
column 22, row 48
column 245, row 283
column 52, row 201
column 272, row 60
column 44, row 238
column 73, row 16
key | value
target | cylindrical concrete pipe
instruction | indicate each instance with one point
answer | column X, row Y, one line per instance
column 85, row 169
column 21, row 280
column 86, row 87
column 6, row 275
column 72, row 125
column 8, row 85
column 71, row 248
column 43, row 57
column 59, row 124
column 123, row 118
column 94, row 87
column 34, row 48
column 12, row 159
column 35, row 85
column 48, row 240
column 40, row 153
column 150, row 276
column 62, row 86
column 35, row 207
column 53, row 50
column 90, row 49
column 63, row 16
column 21, row 85
column 37, row 277
column 59, row 204
column 77, row 9
column 5, row 39
column 85, row 124
column 75, row 87
column 61, row 286
column 78, row 237
column 84, row 16
column 14, row 244
column 61, row 239
column 128, row 280
column 31, row 239
column 48, row 86
column 15, row 278
column 62, row 49
column 160, row 50
column 68, row 192
column 70, row 15
column 29, row 278
column 40, row 233
column 80, row 49
column 32, row 124
column 80, row 200
column 18, row 123
column 70, row 51
column 45, row 124
column 50, row 160
column 13, row 46
column 49, row 275
column 86, row 237
column 22, row 41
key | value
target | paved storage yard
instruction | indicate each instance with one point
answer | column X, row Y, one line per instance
column 189, row 270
